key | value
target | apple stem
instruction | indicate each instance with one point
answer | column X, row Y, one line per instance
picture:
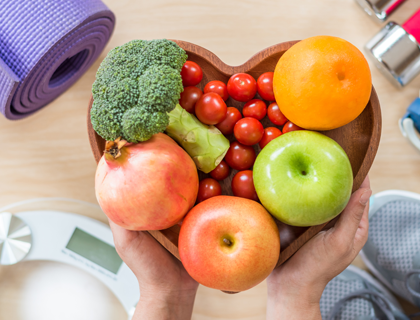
column 227, row 242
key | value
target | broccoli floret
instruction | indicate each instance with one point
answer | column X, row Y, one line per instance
column 123, row 93
column 122, row 62
column 162, row 87
column 106, row 120
column 162, row 52
column 135, row 86
column 140, row 125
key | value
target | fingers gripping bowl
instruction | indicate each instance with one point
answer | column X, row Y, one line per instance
column 359, row 138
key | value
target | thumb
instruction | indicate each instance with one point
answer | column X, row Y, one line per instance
column 350, row 218
column 123, row 238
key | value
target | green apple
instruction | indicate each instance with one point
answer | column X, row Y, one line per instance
column 303, row 178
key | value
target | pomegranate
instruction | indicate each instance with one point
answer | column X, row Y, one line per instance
column 146, row 186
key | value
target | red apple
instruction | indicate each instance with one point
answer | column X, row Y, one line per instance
column 229, row 243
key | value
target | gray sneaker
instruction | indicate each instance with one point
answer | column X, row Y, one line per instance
column 392, row 252
column 356, row 295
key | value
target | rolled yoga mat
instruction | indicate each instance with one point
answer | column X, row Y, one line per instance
column 45, row 46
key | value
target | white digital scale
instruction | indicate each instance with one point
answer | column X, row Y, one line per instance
column 68, row 238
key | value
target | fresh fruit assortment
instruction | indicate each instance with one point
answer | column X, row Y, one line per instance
column 145, row 181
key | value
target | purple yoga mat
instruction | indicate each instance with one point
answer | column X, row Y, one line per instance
column 45, row 46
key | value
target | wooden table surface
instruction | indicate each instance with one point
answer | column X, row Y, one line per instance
column 48, row 154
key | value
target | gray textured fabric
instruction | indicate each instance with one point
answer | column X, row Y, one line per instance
column 349, row 294
column 393, row 247
column 370, row 295
column 395, row 231
column 338, row 288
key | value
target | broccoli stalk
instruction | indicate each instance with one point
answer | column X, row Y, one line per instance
column 205, row 144
column 136, row 85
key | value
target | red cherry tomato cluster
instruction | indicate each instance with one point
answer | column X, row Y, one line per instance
column 210, row 108
column 233, row 115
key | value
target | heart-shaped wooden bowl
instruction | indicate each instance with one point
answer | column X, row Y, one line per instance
column 360, row 138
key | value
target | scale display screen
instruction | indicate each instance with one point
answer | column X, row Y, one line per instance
column 95, row 250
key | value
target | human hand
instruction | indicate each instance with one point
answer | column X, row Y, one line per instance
column 295, row 288
column 166, row 289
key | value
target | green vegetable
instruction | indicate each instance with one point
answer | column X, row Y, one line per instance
column 205, row 144
column 135, row 86
column 161, row 88
column 139, row 123
column 136, row 92
column 162, row 52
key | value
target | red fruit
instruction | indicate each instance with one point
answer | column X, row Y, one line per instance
column 240, row 157
column 242, row 87
column 189, row 98
column 265, row 86
column 191, row 74
column 248, row 131
column 151, row 186
column 243, row 185
column 275, row 115
column 255, row 108
column 229, row 243
column 226, row 126
column 290, row 126
column 210, row 109
column 218, row 87
column 270, row 134
column 208, row 188
column 221, row 172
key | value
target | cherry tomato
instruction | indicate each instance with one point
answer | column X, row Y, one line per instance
column 255, row 108
column 191, row 74
column 210, row 108
column 270, row 133
column 275, row 115
column 218, row 87
column 208, row 188
column 290, row 126
column 189, row 98
column 243, row 185
column 239, row 156
column 248, row 131
column 233, row 115
column 265, row 86
column 242, row 87
column 221, row 172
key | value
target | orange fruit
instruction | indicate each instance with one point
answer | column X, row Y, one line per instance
column 322, row 83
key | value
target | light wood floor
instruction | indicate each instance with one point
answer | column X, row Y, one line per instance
column 48, row 154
